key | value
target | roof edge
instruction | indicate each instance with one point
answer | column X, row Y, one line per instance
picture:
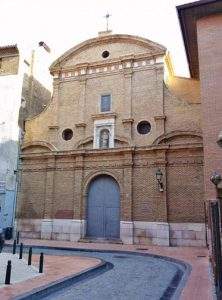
column 104, row 39
column 195, row 4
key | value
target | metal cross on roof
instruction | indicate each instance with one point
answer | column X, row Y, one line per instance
column 107, row 16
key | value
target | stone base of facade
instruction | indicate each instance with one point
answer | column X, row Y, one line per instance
column 144, row 233
column 151, row 233
column 188, row 234
column 170, row 234
column 62, row 229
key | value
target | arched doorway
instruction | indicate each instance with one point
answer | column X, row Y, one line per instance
column 103, row 208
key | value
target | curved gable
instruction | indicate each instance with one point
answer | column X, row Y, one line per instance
column 179, row 137
column 118, row 45
column 38, row 147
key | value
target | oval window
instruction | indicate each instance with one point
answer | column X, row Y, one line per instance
column 105, row 54
column 143, row 127
column 67, row 134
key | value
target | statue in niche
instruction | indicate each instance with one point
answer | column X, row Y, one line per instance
column 104, row 138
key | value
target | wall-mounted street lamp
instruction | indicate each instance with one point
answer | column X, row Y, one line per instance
column 159, row 177
column 216, row 178
column 31, row 64
column 31, row 71
column 219, row 141
column 45, row 46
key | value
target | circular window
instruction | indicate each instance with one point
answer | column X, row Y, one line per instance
column 143, row 127
column 105, row 54
column 67, row 134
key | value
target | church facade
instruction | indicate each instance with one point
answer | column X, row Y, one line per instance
column 117, row 154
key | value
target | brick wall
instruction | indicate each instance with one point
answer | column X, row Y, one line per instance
column 141, row 202
column 185, row 192
column 35, row 98
column 209, row 32
column 9, row 65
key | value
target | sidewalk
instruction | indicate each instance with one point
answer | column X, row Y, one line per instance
column 20, row 270
column 198, row 287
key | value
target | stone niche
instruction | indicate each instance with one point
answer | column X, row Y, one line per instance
column 102, row 127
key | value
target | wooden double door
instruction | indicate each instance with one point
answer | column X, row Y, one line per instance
column 103, row 208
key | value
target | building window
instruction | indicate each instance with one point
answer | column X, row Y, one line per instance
column 105, row 54
column 143, row 127
column 104, row 138
column 23, row 103
column 105, row 104
column 67, row 134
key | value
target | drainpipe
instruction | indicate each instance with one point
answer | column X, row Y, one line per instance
column 18, row 182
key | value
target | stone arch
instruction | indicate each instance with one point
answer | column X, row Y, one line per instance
column 86, row 183
column 83, row 142
column 95, row 174
column 122, row 140
column 164, row 138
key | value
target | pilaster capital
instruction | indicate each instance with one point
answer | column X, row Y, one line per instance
column 128, row 73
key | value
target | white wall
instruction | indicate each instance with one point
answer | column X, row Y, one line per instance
column 10, row 99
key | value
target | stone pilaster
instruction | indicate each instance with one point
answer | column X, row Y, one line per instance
column 53, row 134
column 53, row 125
column 127, row 121
column 55, row 103
column 160, row 124
column 161, row 163
column 160, row 88
column 128, row 73
column 127, row 205
column 49, row 188
column 126, row 224
column 78, row 209
column 46, row 224
column 82, row 102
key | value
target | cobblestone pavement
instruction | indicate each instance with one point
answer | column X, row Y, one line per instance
column 20, row 269
column 198, row 286
column 132, row 277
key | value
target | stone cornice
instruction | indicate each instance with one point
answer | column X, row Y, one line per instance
column 107, row 115
column 163, row 117
column 124, row 62
column 53, row 127
column 112, row 151
column 79, row 125
column 129, row 120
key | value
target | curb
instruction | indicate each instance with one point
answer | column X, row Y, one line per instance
column 38, row 293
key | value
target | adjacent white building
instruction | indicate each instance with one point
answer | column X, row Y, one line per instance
column 16, row 88
column 11, row 77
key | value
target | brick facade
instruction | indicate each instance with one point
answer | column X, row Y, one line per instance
column 209, row 32
column 56, row 173
column 35, row 98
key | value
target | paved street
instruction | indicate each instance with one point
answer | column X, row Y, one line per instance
column 132, row 277
column 197, row 287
